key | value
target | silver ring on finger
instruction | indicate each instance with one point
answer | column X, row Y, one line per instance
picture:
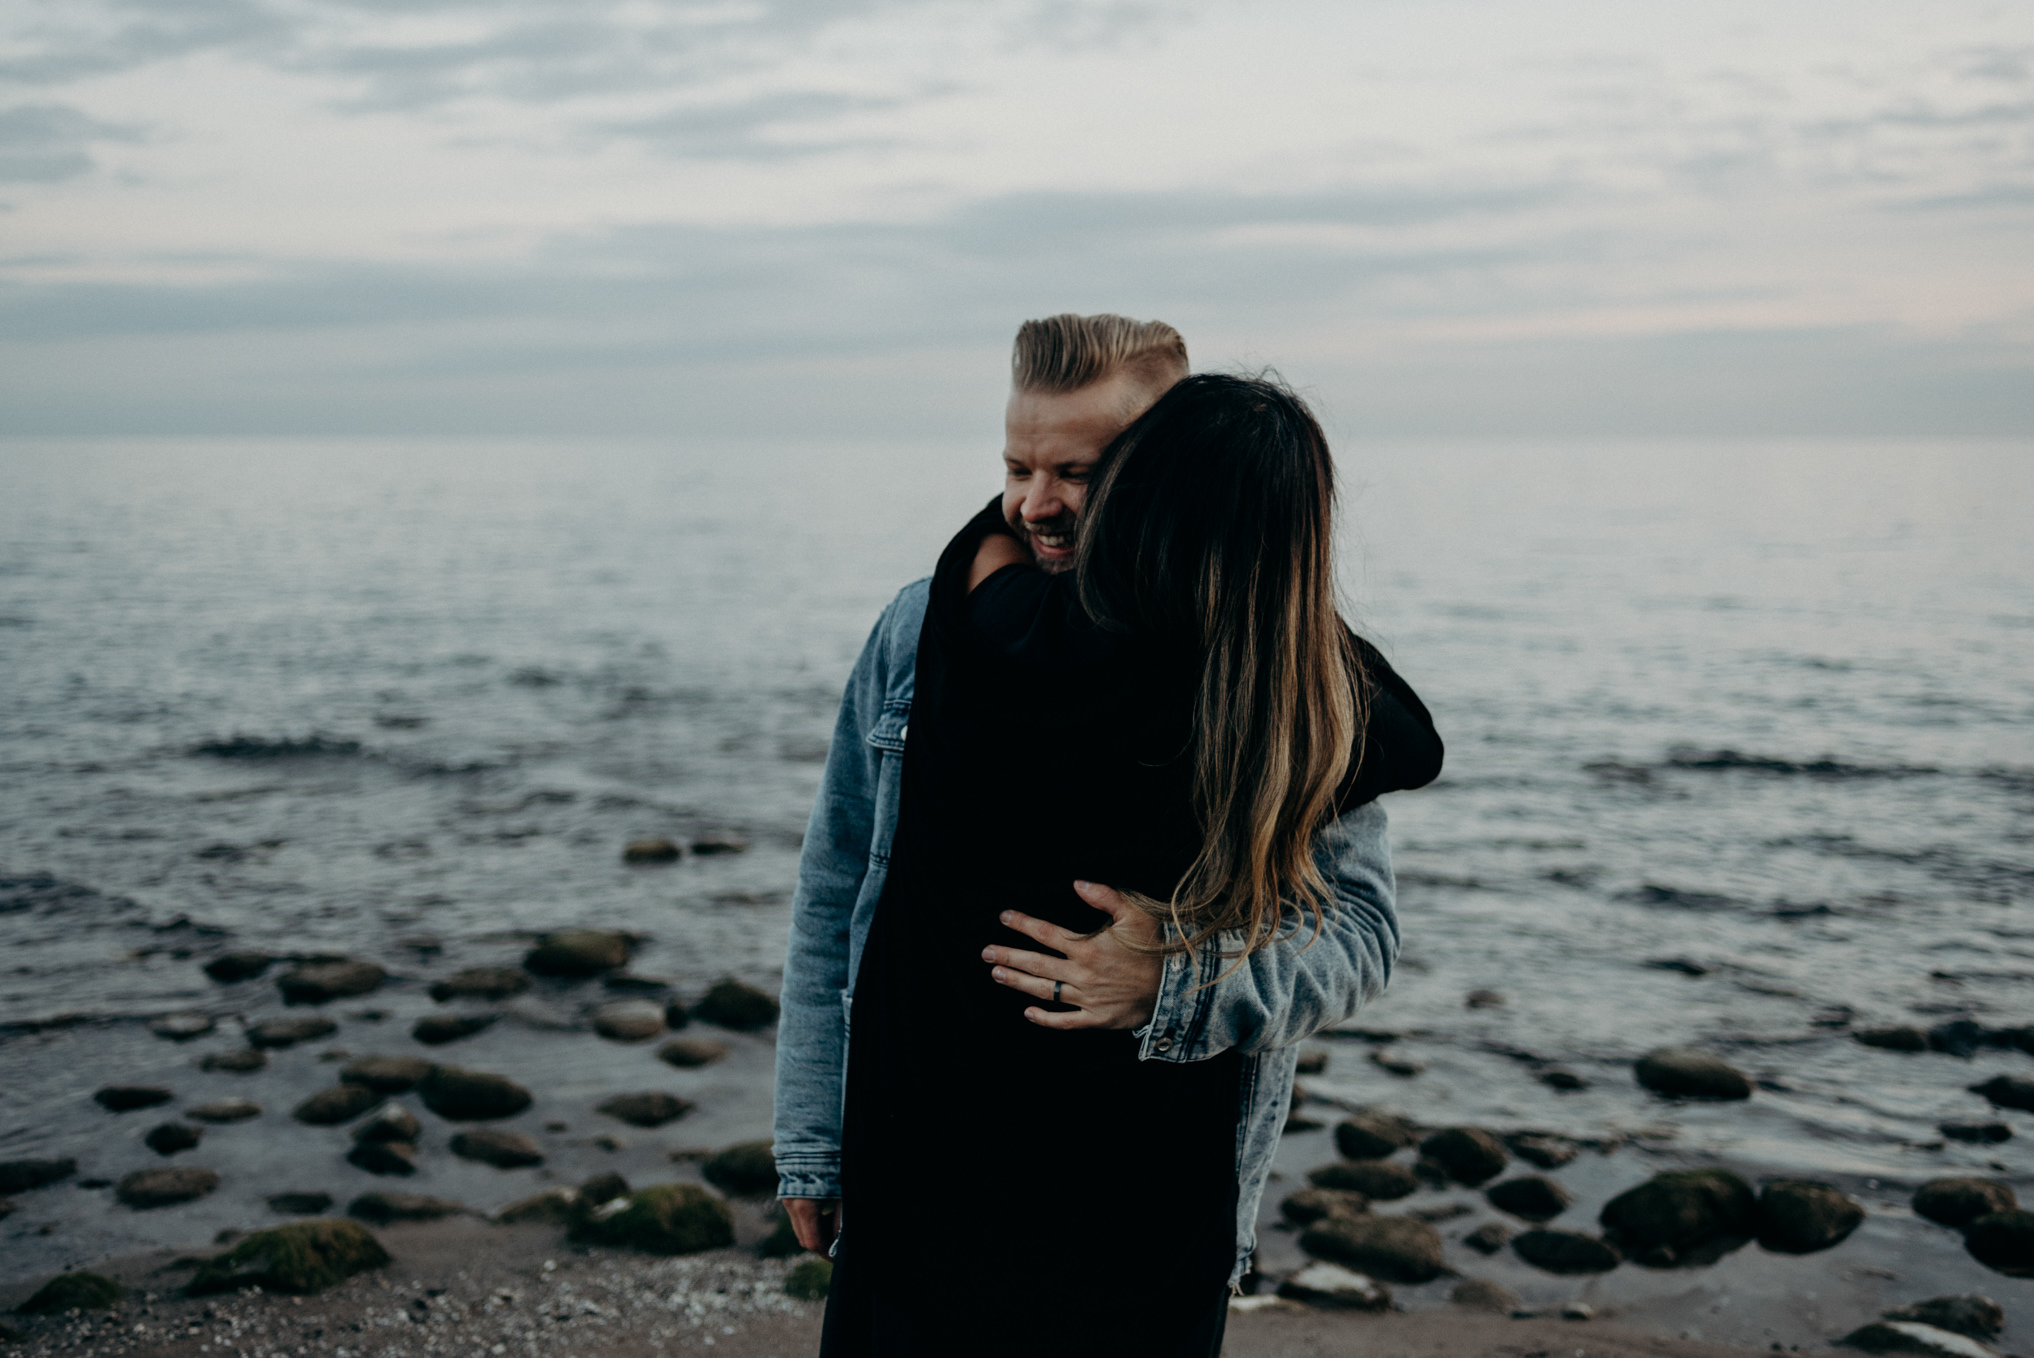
column 1057, row 986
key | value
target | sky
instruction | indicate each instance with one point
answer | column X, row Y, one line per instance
column 793, row 219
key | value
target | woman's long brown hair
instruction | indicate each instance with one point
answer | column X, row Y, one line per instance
column 1211, row 521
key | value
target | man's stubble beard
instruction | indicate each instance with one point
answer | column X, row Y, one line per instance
column 1059, row 525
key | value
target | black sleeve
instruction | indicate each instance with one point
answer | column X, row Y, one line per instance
column 1401, row 748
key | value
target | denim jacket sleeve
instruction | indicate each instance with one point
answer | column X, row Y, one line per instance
column 839, row 871
column 1292, row 989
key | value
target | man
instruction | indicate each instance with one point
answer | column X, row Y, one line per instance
column 1078, row 381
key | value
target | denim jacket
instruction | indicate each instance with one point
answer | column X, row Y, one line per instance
column 1280, row 996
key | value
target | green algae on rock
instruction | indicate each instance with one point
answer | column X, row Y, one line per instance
column 809, row 1281
column 663, row 1219
column 300, row 1258
column 80, row 1291
column 747, row 1169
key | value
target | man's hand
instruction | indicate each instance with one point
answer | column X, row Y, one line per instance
column 1116, row 986
column 815, row 1221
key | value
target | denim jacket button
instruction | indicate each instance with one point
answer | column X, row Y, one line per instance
column 1164, row 1044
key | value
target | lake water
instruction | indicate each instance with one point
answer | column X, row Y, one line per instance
column 468, row 673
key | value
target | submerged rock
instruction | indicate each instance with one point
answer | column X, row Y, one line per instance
column 237, row 966
column 1324, row 1284
column 481, row 983
column 2008, row 1091
column 339, row 978
column 225, row 1110
column 182, row 1027
column 1979, row 1133
column 1906, row 1336
column 1309, row 1205
column 385, row 1074
column 603, row 1188
column 663, row 1219
column 1562, row 1078
column 493, row 1146
column 1972, row 1315
column 471, row 1096
column 391, row 1122
column 1683, row 1072
column 688, row 1052
column 287, row 1032
column 79, row 1291
column 1373, row 1136
column 650, row 851
column 1378, row 1180
column 383, row 1208
column 736, row 1005
column 300, row 1258
column 340, row 1103
column 2003, row 1241
column 1470, row 1155
column 1488, row 1238
column 1679, row 1210
column 1479, row 1294
column 629, row 1020
column 150, row 1188
column 1313, row 1061
column 1545, row 1149
column 652, row 1109
column 1800, row 1216
column 127, row 1098
column 580, row 952
column 1530, row 1198
column 1959, row 1200
column 714, row 841
column 747, row 1169
column 1958, row 1037
column 1566, row 1252
column 18, row 1176
column 245, row 1061
column 1394, row 1248
column 1901, row 1039
column 170, row 1137
column 382, row 1156
column 435, row 1030
column 299, row 1204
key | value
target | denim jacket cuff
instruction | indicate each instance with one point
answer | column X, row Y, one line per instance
column 1179, row 1013
column 811, row 1176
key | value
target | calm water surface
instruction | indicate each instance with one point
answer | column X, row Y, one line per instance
column 466, row 674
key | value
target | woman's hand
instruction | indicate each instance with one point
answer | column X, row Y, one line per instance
column 1114, row 985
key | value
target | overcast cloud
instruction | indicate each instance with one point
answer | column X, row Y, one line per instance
column 803, row 218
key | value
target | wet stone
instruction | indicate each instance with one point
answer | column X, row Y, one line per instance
column 1799, row 1216
column 181, row 1027
column 629, row 1020
column 471, row 1096
column 492, row 1146
column 665, row 1219
column 1469, row 1155
column 746, row 1169
column 287, row 1032
column 1981, row 1133
column 556, row 1206
column 224, row 1110
column 1392, row 1062
column 689, row 1052
column 300, row 1204
column 237, row 966
column 1378, row 1180
column 127, row 1098
column 1562, row 1078
column 652, row 1109
column 1395, row 1248
column 151, row 1188
column 1483, row 999
column 1906, row 1336
column 1678, row 1210
column 1373, row 1136
column 650, row 851
column 244, row 1061
column 1309, row 1205
column 1958, row 1037
column 320, row 982
column 382, row 1208
column 481, row 983
column 580, row 952
column 1900, row 1039
column 1312, row 1061
column 19, row 1176
column 386, row 1074
column 736, row 1005
column 603, row 1188
column 1530, row 1198
column 1959, row 1200
column 717, row 842
column 2008, row 1091
column 1480, row 1294
column 1488, row 1238
column 171, row 1137
column 391, row 1122
column 1331, row 1285
column 1544, row 1149
column 676, row 1015
column 1974, row 1316
column 1566, row 1252
column 1683, row 1072
column 384, row 1157
column 435, row 1030
column 298, row 1259
column 340, row 1103
column 2003, row 1241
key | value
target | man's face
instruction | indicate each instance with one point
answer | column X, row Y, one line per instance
column 1051, row 441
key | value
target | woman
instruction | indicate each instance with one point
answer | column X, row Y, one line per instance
column 1178, row 717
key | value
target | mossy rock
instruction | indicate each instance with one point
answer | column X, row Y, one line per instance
column 810, row 1280
column 300, row 1258
column 748, row 1169
column 736, row 1005
column 78, row 1291
column 664, row 1219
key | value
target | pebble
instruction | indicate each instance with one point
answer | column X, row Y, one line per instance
column 1483, row 999
column 2003, row 1241
column 320, row 982
column 391, row 1122
column 300, row 1204
column 2008, row 1091
column 493, row 1146
column 747, row 1168
column 340, row 1103
column 181, row 1027
column 381, row 1156
column 287, row 1032
column 1684, row 1072
column 1566, row 1252
column 1393, row 1063
column 1331, row 1285
column 629, row 1020
column 580, row 952
column 650, row 851
column 688, row 1052
column 481, row 983
column 1309, row 1205
column 171, row 1137
column 736, row 1005
column 652, row 1109
column 19, row 1176
column 150, row 1188
column 1488, row 1238
column 225, row 1110
column 1906, row 1336
column 1395, row 1248
column 1373, row 1136
column 383, row 1208
column 1480, row 1294
column 237, row 966
column 1544, row 1149
column 435, row 1030
column 1959, row 1200
column 714, row 842
column 1800, row 1216
column 1469, row 1155
column 1982, row 1133
column 244, row 1061
column 1901, row 1039
column 1562, row 1078
column 1978, row 1317
column 470, row 1095
column 1671, row 1213
column 127, row 1098
column 1378, row 1180
column 1312, row 1061
column 1530, row 1197
column 386, row 1074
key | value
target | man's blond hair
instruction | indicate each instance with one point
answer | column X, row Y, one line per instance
column 1068, row 352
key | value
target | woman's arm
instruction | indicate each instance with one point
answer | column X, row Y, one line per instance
column 996, row 551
